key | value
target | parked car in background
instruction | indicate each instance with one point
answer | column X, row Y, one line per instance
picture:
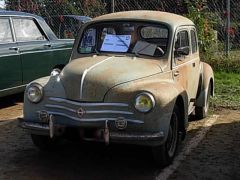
column 28, row 50
column 66, row 26
column 134, row 77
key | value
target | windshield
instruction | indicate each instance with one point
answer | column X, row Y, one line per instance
column 125, row 37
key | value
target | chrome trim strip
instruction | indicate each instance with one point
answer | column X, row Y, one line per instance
column 32, row 52
column 37, row 126
column 7, row 55
column 48, row 50
column 60, row 107
column 93, row 119
column 8, row 89
column 85, row 73
column 88, row 112
column 138, row 136
column 60, row 100
column 108, row 112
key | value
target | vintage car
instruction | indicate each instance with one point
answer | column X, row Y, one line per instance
column 134, row 77
column 28, row 50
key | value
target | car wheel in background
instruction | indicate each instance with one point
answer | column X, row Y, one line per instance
column 202, row 112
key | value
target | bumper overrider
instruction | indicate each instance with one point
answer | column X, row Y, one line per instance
column 109, row 122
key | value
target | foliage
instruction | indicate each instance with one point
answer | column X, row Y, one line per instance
column 221, row 63
column 204, row 21
column 48, row 8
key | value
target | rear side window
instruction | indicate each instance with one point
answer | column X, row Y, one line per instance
column 27, row 30
column 194, row 41
column 5, row 31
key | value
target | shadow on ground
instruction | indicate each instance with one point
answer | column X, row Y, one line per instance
column 10, row 100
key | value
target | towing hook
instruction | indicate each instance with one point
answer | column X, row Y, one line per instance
column 51, row 126
column 106, row 133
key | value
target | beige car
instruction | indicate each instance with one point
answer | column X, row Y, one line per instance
column 134, row 78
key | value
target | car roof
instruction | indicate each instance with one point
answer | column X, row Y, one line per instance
column 77, row 17
column 143, row 15
column 81, row 18
column 18, row 13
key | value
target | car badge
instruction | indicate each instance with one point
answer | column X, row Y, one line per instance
column 80, row 112
column 121, row 123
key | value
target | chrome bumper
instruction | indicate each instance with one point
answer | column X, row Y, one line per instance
column 119, row 136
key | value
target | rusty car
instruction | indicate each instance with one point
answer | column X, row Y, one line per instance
column 134, row 78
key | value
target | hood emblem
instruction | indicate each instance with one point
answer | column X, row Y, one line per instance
column 80, row 112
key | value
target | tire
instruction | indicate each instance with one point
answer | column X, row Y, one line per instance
column 164, row 154
column 44, row 143
column 202, row 112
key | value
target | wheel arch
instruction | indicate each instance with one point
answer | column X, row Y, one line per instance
column 206, row 79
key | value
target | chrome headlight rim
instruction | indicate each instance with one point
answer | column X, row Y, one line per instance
column 40, row 88
column 151, row 98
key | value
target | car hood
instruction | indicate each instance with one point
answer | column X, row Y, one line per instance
column 89, row 78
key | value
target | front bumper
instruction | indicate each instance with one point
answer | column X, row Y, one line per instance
column 141, row 138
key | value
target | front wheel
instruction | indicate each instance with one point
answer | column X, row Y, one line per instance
column 164, row 154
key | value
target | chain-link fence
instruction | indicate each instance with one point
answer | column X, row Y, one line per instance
column 58, row 14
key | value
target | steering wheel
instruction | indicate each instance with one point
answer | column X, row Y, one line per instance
column 160, row 49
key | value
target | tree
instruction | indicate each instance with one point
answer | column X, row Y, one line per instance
column 48, row 8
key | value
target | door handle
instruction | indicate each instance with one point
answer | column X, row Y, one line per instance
column 193, row 64
column 176, row 73
column 47, row 45
column 14, row 48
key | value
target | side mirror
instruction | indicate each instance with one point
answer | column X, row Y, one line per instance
column 183, row 50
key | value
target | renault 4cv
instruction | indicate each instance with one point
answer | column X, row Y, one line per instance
column 134, row 77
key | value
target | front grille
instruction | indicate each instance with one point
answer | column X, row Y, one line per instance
column 90, row 112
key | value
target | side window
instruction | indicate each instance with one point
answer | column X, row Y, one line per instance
column 181, row 47
column 194, row 41
column 27, row 30
column 5, row 31
column 182, row 40
column 88, row 41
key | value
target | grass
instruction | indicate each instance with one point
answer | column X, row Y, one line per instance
column 227, row 90
column 227, row 78
column 221, row 63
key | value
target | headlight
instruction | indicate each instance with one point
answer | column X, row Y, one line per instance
column 144, row 102
column 35, row 93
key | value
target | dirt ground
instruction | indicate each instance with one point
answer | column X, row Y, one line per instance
column 217, row 156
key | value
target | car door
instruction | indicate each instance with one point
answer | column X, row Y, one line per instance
column 10, row 63
column 35, row 48
column 184, row 65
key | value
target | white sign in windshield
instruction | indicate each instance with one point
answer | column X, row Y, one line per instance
column 116, row 43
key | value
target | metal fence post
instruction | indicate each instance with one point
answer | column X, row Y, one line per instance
column 113, row 6
column 19, row 5
column 228, row 28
